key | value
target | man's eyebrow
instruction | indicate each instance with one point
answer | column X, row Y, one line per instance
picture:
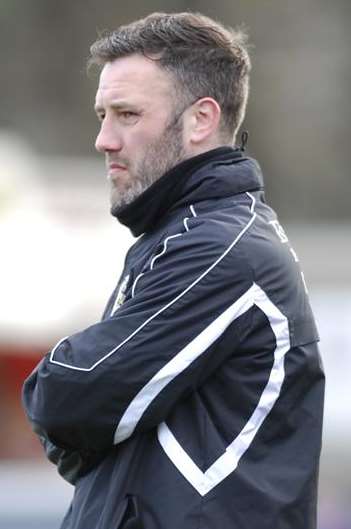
column 121, row 104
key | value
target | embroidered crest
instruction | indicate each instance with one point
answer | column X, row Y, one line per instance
column 121, row 295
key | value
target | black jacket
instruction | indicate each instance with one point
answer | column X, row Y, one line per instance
column 196, row 403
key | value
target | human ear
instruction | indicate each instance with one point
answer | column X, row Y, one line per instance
column 204, row 120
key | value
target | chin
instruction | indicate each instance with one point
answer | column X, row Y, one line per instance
column 118, row 204
column 115, row 204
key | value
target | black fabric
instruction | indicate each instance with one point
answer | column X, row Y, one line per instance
column 128, row 517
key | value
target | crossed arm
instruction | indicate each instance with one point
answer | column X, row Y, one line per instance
column 124, row 374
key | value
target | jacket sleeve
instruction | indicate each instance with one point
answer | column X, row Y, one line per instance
column 71, row 464
column 125, row 373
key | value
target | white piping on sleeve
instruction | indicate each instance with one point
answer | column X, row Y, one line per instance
column 169, row 304
column 192, row 209
column 58, row 345
column 157, row 256
column 185, row 223
column 253, row 203
column 304, row 282
column 135, row 283
column 294, row 254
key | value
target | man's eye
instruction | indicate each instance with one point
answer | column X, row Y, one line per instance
column 128, row 115
column 101, row 117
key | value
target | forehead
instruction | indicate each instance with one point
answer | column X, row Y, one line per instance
column 132, row 77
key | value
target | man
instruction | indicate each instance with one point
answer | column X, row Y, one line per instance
column 197, row 401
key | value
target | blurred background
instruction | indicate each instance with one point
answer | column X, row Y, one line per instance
column 61, row 252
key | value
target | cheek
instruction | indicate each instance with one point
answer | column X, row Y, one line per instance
column 141, row 136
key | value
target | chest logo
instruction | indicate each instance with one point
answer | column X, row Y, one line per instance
column 121, row 294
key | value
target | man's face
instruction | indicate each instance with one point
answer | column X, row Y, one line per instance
column 141, row 134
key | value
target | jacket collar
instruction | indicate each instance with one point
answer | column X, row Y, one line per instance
column 217, row 173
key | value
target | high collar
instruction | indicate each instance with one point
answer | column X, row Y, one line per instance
column 217, row 173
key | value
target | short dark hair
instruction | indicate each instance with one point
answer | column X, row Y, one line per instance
column 204, row 58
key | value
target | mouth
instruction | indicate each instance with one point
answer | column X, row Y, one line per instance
column 115, row 169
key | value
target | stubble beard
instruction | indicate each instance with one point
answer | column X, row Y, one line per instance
column 160, row 156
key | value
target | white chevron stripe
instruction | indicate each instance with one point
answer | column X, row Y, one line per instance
column 203, row 482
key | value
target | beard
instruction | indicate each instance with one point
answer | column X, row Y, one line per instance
column 159, row 156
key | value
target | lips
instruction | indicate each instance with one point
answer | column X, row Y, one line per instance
column 118, row 166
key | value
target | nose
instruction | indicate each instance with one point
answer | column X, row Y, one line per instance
column 108, row 138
